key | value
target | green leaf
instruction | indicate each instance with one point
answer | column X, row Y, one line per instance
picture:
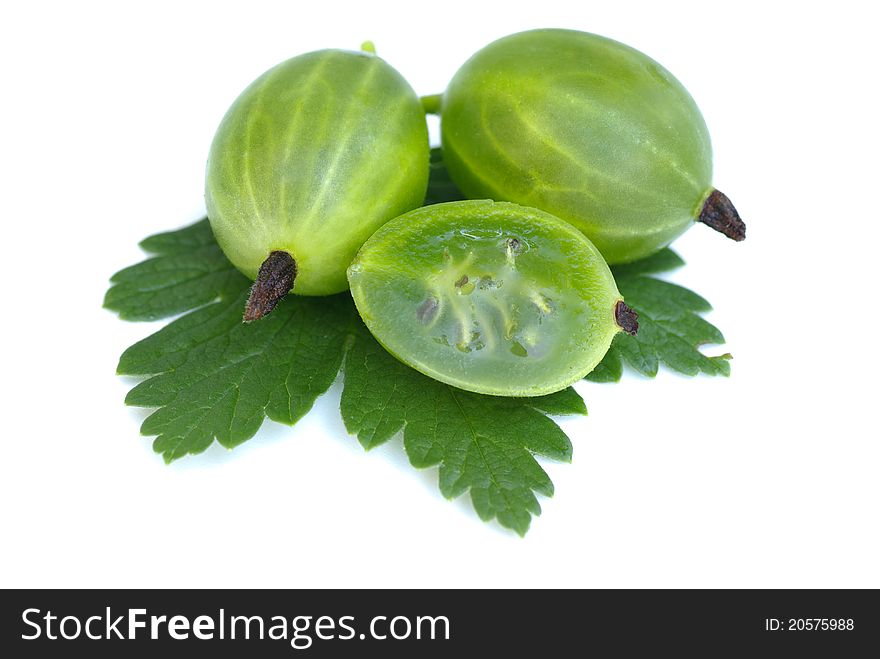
column 562, row 403
column 440, row 185
column 484, row 445
column 662, row 261
column 218, row 378
column 189, row 270
column 210, row 376
column 670, row 328
column 610, row 369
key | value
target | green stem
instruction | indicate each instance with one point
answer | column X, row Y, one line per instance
column 431, row 103
column 368, row 47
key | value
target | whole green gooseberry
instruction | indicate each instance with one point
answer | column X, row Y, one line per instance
column 590, row 130
column 309, row 161
column 490, row 297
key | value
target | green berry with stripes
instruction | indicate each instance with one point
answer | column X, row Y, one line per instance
column 309, row 161
column 590, row 130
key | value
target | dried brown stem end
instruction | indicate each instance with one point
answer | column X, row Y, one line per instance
column 718, row 212
column 274, row 281
column 626, row 318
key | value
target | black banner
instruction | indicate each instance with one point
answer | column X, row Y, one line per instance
column 290, row 623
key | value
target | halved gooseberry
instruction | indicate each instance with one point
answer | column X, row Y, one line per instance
column 490, row 297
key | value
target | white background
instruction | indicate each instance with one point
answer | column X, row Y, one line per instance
column 767, row 479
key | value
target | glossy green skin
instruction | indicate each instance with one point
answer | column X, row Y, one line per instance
column 311, row 159
column 585, row 128
column 445, row 292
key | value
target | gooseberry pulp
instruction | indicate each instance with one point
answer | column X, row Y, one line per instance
column 490, row 297
column 309, row 161
column 588, row 129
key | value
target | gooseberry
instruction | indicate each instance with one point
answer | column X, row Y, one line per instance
column 309, row 161
column 490, row 297
column 588, row 129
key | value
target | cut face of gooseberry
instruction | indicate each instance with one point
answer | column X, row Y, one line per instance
column 588, row 129
column 489, row 297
